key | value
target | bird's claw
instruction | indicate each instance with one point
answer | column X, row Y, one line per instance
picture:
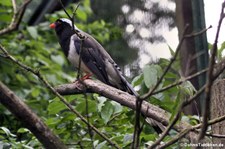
column 87, row 76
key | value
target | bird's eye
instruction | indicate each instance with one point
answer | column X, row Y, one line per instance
column 58, row 22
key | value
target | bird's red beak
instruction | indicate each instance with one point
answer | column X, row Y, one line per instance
column 52, row 25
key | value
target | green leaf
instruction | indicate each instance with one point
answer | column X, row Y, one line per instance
column 171, row 50
column 53, row 121
column 188, row 88
column 101, row 145
column 92, row 106
column 117, row 107
column 150, row 75
column 81, row 15
column 23, row 130
column 7, row 131
column 107, row 111
column 101, row 101
column 6, row 3
column 137, row 80
column 55, row 106
column 6, row 18
column 35, row 92
column 33, row 32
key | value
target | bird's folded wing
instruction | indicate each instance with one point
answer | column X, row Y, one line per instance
column 91, row 57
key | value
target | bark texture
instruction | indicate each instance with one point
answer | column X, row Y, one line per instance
column 119, row 96
column 218, row 109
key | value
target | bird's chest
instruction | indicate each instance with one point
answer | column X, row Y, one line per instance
column 74, row 57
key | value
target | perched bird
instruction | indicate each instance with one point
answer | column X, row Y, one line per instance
column 94, row 58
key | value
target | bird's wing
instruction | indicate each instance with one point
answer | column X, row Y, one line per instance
column 101, row 64
column 91, row 57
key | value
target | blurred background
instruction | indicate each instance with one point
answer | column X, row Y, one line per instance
column 136, row 29
column 141, row 31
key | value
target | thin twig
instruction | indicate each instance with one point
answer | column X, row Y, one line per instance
column 180, row 81
column 145, row 96
column 64, row 9
column 137, row 129
column 209, row 83
column 168, row 128
column 88, row 120
column 185, row 103
column 174, row 139
column 187, row 130
column 198, row 33
column 74, row 13
column 176, row 117
column 79, row 63
column 151, row 91
column 62, row 99
column 140, row 99
column 215, row 135
column 82, row 37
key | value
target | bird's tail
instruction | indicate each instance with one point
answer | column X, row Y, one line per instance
column 131, row 90
column 128, row 87
column 159, row 128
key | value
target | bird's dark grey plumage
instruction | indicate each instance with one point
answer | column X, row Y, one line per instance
column 94, row 58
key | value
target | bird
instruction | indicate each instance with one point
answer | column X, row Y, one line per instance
column 94, row 59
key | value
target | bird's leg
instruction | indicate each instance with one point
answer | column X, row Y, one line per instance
column 87, row 76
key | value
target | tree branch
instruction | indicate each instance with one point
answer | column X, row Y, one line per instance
column 143, row 97
column 175, row 119
column 210, row 77
column 17, row 17
column 217, row 70
column 16, row 106
column 119, row 96
column 48, row 85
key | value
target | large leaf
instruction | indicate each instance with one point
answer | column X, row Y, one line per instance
column 107, row 111
column 101, row 101
column 137, row 80
column 150, row 75
column 55, row 106
column 7, row 131
column 102, row 145
column 117, row 107
column 6, row 3
column 32, row 31
column 82, row 106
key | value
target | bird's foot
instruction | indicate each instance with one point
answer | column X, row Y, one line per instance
column 77, row 81
column 87, row 76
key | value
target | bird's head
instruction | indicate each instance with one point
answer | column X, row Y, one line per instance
column 62, row 24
